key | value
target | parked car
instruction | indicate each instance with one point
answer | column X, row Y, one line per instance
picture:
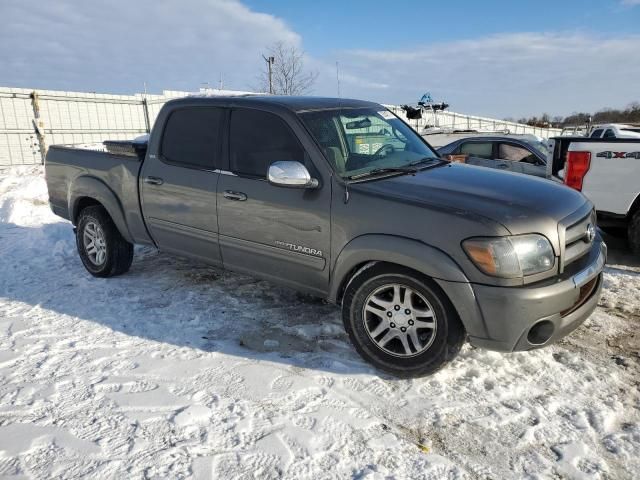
column 607, row 171
column 523, row 154
column 615, row 130
column 420, row 253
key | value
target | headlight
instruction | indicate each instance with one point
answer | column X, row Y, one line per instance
column 511, row 257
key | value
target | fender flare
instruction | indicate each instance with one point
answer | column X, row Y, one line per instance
column 91, row 187
column 392, row 249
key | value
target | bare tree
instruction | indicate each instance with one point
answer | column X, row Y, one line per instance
column 287, row 71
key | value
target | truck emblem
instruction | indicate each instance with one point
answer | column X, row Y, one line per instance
column 610, row 154
column 299, row 248
column 590, row 233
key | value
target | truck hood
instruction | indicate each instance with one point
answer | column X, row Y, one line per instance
column 515, row 201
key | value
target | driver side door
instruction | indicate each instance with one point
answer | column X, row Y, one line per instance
column 266, row 230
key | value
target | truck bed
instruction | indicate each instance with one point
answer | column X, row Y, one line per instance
column 68, row 167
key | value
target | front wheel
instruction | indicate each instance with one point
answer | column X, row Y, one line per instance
column 103, row 250
column 401, row 322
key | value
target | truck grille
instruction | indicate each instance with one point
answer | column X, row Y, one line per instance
column 577, row 242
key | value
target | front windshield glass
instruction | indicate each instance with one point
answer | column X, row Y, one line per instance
column 358, row 141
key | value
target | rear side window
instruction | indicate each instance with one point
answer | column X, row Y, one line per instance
column 596, row 133
column 477, row 149
column 192, row 137
column 609, row 134
column 259, row 139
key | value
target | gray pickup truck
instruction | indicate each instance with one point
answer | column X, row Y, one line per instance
column 343, row 200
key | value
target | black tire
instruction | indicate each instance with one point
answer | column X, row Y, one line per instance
column 633, row 233
column 119, row 252
column 448, row 338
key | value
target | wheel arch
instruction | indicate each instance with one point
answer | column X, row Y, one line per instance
column 635, row 206
column 405, row 252
column 89, row 191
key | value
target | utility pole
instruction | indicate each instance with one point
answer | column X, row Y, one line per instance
column 270, row 61
column 338, row 78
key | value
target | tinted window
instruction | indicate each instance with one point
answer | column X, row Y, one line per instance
column 596, row 133
column 514, row 153
column 609, row 134
column 477, row 149
column 259, row 139
column 192, row 137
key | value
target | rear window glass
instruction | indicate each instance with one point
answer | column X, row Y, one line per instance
column 477, row 149
column 192, row 137
column 596, row 133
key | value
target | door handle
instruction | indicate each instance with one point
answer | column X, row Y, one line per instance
column 153, row 180
column 231, row 195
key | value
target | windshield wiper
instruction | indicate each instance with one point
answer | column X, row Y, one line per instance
column 377, row 171
column 411, row 168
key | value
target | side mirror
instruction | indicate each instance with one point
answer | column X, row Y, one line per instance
column 290, row 174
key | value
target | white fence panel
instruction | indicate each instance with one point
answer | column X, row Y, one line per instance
column 18, row 142
column 32, row 119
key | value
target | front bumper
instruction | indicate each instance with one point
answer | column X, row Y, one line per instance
column 525, row 318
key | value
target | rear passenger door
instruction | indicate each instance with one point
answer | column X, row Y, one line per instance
column 272, row 231
column 178, row 184
column 481, row 153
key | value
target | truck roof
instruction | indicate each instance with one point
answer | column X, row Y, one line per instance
column 293, row 103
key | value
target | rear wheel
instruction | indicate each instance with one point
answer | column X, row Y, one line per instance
column 633, row 233
column 401, row 322
column 103, row 250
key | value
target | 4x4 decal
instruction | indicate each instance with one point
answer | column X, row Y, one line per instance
column 610, row 154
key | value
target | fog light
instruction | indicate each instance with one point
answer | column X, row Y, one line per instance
column 541, row 332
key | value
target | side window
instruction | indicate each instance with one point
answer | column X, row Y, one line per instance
column 477, row 149
column 609, row 134
column 596, row 133
column 259, row 139
column 514, row 153
column 192, row 137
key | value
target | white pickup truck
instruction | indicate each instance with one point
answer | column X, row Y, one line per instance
column 615, row 130
column 607, row 172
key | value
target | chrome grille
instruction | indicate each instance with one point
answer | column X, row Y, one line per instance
column 577, row 242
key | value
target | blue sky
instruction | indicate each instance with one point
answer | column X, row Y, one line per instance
column 332, row 25
column 492, row 58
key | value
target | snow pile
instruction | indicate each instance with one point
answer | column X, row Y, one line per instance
column 177, row 370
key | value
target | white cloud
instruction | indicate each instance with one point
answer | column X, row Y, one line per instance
column 630, row 3
column 84, row 45
column 504, row 75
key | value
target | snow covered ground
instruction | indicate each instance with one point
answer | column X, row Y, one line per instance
column 176, row 370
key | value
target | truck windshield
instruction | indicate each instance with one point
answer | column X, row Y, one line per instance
column 359, row 141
